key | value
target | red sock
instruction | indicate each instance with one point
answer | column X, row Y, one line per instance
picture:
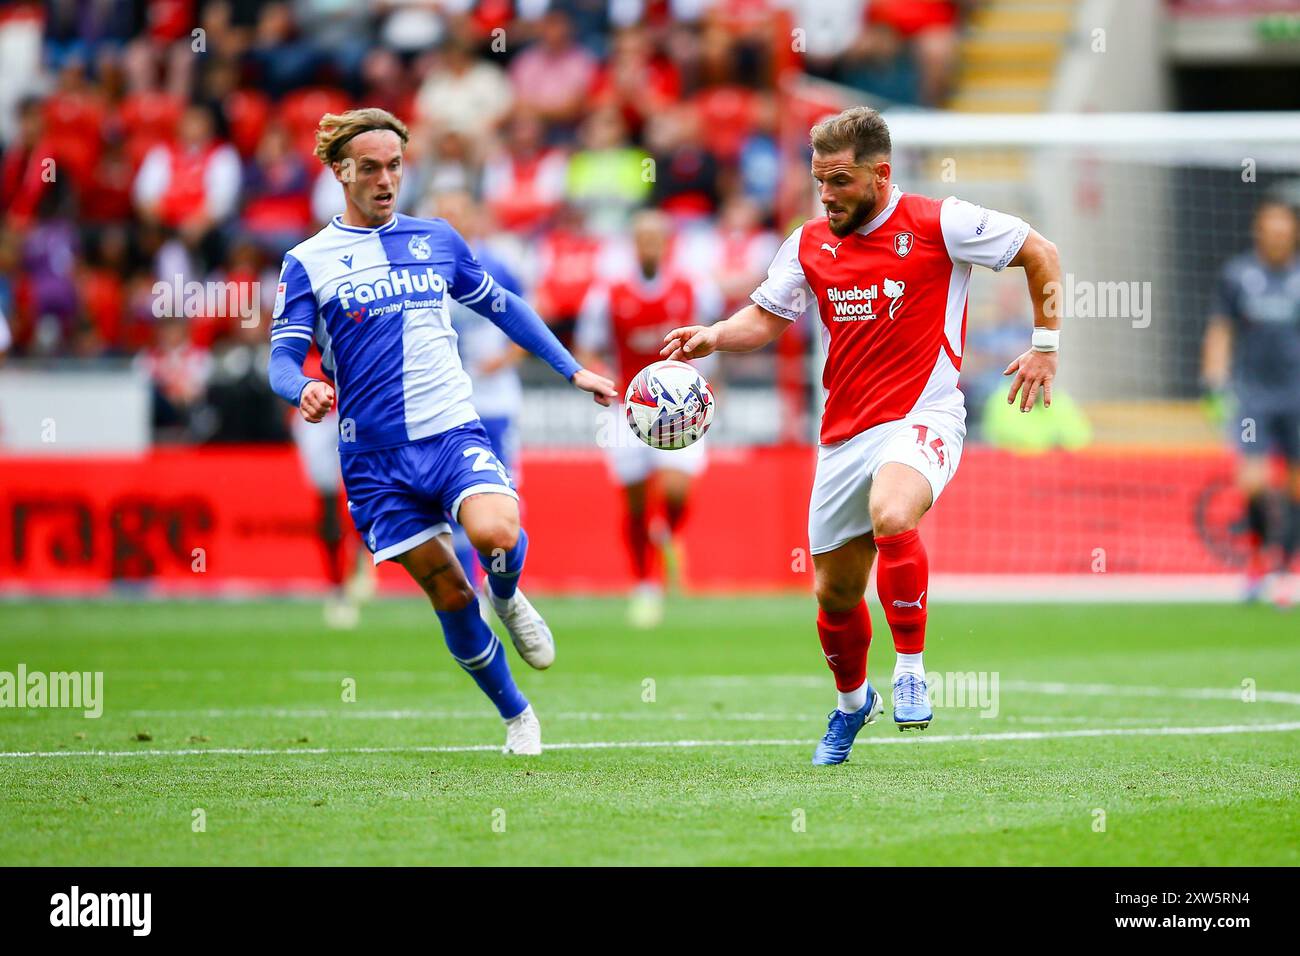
column 636, row 530
column 331, row 538
column 845, row 637
column 334, row 563
column 903, row 577
column 675, row 512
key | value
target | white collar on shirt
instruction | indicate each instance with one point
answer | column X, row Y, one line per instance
column 338, row 222
column 895, row 194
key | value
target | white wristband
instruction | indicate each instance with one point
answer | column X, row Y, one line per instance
column 1046, row 340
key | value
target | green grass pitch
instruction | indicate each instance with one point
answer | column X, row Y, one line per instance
column 1091, row 758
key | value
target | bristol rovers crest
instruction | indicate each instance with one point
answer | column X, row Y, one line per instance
column 419, row 246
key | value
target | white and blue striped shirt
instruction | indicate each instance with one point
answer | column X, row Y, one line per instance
column 376, row 303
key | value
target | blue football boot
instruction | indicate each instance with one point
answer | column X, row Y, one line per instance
column 911, row 703
column 835, row 746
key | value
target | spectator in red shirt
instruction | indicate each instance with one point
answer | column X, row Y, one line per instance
column 569, row 260
column 106, row 198
column 74, row 121
column 191, row 186
column 523, row 183
column 635, row 80
column 147, row 116
column 103, row 292
column 26, row 168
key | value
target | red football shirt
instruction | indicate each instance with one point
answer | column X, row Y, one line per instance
column 628, row 318
column 892, row 301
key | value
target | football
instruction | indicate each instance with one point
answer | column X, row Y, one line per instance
column 669, row 405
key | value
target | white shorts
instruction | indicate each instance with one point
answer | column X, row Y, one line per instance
column 318, row 450
column 632, row 461
column 839, row 509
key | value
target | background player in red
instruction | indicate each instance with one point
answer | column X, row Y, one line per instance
column 626, row 319
column 348, row 569
column 889, row 272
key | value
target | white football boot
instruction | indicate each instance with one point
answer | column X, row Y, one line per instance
column 341, row 614
column 523, row 734
column 527, row 630
column 646, row 608
column 360, row 586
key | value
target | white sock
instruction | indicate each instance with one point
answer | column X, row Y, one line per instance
column 853, row 700
column 909, row 664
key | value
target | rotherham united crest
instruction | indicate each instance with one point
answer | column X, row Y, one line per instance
column 903, row 243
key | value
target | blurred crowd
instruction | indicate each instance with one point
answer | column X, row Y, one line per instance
column 166, row 146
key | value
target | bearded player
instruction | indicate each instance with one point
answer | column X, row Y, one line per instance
column 373, row 288
column 889, row 272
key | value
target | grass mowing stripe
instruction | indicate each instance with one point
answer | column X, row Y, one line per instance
column 343, row 713
column 1038, row 687
column 638, row 744
column 1055, row 688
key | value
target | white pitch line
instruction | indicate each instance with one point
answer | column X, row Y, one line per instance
column 679, row 744
column 1129, row 690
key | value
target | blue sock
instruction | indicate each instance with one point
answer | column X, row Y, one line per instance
column 503, row 570
column 476, row 648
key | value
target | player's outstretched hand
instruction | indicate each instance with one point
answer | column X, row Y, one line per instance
column 601, row 388
column 1032, row 370
column 690, row 342
column 316, row 401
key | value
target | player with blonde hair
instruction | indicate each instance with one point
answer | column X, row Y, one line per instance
column 373, row 290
